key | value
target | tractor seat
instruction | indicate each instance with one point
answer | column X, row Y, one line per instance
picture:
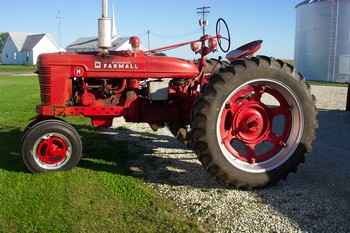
column 244, row 51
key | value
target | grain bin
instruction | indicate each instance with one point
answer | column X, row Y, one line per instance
column 322, row 46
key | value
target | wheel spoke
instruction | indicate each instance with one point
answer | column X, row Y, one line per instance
column 228, row 136
column 280, row 110
column 251, row 153
column 52, row 150
column 276, row 140
column 258, row 92
column 46, row 146
column 269, row 122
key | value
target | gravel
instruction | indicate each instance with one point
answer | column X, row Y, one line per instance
column 316, row 199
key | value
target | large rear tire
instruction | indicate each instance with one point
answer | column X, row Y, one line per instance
column 234, row 132
column 180, row 130
column 213, row 65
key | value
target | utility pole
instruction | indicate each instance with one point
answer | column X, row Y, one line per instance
column 348, row 99
column 203, row 22
column 59, row 27
column 149, row 39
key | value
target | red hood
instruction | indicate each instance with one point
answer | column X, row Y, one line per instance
column 123, row 64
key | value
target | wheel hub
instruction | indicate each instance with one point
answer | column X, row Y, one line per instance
column 251, row 123
column 247, row 128
column 52, row 150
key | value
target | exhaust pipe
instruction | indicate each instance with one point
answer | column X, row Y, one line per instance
column 105, row 29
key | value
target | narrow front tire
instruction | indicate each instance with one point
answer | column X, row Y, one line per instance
column 51, row 145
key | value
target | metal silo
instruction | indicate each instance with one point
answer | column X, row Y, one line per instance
column 322, row 47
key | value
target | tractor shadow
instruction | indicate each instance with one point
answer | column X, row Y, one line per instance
column 155, row 158
column 316, row 199
column 10, row 144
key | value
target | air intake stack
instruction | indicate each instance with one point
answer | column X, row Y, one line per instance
column 105, row 29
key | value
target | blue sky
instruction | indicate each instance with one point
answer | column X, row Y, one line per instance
column 169, row 21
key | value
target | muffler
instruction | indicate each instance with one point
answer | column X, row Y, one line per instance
column 105, row 29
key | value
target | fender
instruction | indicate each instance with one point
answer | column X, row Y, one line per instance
column 246, row 50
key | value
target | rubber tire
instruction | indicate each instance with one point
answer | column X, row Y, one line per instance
column 35, row 131
column 179, row 131
column 175, row 127
column 207, row 108
column 33, row 123
column 212, row 62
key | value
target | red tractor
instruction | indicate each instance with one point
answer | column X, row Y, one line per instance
column 250, row 119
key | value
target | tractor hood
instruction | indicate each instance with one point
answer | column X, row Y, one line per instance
column 123, row 64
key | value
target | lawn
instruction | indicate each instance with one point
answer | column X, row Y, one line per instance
column 17, row 68
column 331, row 84
column 97, row 196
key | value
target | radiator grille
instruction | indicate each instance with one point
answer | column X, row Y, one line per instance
column 45, row 75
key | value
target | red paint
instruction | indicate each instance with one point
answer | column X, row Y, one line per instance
column 135, row 42
column 196, row 46
column 88, row 99
column 102, row 121
column 78, row 72
column 102, row 87
column 244, row 51
column 213, row 43
column 201, row 41
column 140, row 65
column 247, row 120
column 52, row 150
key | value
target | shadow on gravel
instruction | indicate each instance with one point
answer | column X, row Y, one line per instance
column 146, row 158
column 317, row 198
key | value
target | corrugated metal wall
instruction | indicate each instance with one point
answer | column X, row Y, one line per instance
column 322, row 43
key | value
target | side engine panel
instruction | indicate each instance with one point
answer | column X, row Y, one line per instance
column 116, row 85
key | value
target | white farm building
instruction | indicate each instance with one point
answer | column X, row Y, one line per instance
column 90, row 44
column 24, row 48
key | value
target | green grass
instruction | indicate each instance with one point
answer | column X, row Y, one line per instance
column 97, row 196
column 322, row 83
column 17, row 68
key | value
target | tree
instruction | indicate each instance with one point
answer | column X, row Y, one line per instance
column 3, row 37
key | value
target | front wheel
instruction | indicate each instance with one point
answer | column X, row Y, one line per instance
column 51, row 145
column 254, row 123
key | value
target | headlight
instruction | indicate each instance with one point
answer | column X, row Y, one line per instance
column 196, row 46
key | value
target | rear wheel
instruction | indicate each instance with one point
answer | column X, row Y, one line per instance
column 51, row 145
column 213, row 65
column 181, row 130
column 254, row 123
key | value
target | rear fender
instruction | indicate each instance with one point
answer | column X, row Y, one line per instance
column 246, row 50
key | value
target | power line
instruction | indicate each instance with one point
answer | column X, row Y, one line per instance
column 149, row 39
column 59, row 27
column 203, row 22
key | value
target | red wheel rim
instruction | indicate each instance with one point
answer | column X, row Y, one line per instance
column 249, row 122
column 52, row 151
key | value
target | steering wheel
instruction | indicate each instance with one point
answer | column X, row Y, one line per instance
column 221, row 23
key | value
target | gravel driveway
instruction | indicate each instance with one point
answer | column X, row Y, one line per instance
column 316, row 199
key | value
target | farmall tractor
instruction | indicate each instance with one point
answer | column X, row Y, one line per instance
column 249, row 119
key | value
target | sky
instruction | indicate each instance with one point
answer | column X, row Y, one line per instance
column 169, row 21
